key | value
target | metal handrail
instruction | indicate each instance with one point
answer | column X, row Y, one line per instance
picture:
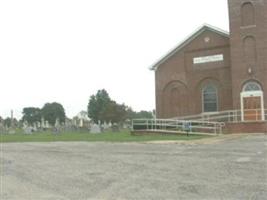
column 172, row 125
column 224, row 116
column 205, row 114
column 205, row 122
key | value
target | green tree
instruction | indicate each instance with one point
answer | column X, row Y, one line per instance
column 144, row 114
column 98, row 106
column 52, row 111
column 115, row 113
column 130, row 113
column 139, row 115
column 102, row 108
column 31, row 115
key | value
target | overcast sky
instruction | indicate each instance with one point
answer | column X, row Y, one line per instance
column 65, row 50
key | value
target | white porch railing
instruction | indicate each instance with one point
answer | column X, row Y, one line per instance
column 226, row 116
column 209, row 123
column 177, row 126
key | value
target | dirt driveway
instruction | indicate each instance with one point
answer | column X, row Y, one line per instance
column 228, row 168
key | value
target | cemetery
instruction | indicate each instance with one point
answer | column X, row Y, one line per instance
column 79, row 129
column 96, row 135
column 103, row 121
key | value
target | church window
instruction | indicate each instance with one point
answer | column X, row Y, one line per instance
column 210, row 98
column 247, row 14
column 251, row 86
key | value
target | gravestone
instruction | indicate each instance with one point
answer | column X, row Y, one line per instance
column 95, row 128
column 47, row 124
column 81, row 123
column 38, row 124
column 125, row 126
column 42, row 123
column 27, row 130
column 57, row 123
column 25, row 124
column 35, row 127
column 106, row 126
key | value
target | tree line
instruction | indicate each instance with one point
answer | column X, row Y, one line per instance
column 101, row 108
column 49, row 112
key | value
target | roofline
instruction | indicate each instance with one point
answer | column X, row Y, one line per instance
column 187, row 40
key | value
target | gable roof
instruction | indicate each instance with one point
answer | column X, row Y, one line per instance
column 195, row 34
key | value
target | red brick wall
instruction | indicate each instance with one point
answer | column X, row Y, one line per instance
column 248, row 41
column 179, row 82
column 246, row 127
column 180, row 76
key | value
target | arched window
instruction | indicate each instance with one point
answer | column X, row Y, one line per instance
column 251, row 86
column 175, row 101
column 248, row 14
column 210, row 98
column 250, row 51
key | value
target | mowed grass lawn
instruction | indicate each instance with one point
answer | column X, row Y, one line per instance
column 124, row 136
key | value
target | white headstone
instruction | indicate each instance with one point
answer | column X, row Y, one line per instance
column 81, row 123
column 47, row 124
column 105, row 126
column 42, row 123
column 28, row 130
column 25, row 124
column 37, row 125
column 95, row 128
column 34, row 127
column 57, row 124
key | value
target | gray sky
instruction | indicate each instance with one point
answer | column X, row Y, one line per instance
column 65, row 50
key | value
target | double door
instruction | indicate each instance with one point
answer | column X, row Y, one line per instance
column 252, row 108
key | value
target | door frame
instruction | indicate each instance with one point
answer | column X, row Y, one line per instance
column 252, row 94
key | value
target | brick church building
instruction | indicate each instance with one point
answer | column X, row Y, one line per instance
column 214, row 71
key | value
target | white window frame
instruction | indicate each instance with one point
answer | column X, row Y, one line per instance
column 217, row 99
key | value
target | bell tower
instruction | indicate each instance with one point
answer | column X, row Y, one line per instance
column 248, row 39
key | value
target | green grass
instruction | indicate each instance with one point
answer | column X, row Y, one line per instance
column 105, row 137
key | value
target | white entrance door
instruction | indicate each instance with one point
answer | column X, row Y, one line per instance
column 252, row 108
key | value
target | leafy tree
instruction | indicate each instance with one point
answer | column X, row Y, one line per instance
column 144, row 114
column 130, row 113
column 52, row 111
column 102, row 108
column 115, row 113
column 98, row 106
column 121, row 113
column 31, row 115
column 139, row 115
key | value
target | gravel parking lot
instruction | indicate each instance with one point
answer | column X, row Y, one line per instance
column 231, row 168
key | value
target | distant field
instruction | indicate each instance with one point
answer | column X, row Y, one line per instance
column 105, row 137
